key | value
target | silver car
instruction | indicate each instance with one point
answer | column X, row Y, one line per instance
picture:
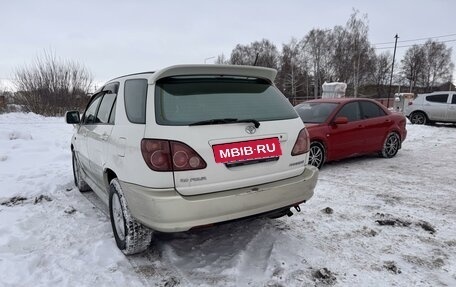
column 433, row 107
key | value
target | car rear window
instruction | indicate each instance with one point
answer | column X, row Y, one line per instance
column 315, row 112
column 186, row 100
column 437, row 98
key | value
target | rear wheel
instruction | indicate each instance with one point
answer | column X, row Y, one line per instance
column 131, row 236
column 418, row 118
column 316, row 154
column 391, row 146
column 78, row 181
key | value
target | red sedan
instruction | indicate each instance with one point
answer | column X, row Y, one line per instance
column 342, row 128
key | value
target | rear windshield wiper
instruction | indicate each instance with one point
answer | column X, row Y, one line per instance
column 225, row 121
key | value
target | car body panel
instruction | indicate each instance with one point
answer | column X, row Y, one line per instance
column 168, row 211
column 217, row 176
column 451, row 112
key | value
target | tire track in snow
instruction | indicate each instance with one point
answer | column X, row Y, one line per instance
column 254, row 251
column 147, row 264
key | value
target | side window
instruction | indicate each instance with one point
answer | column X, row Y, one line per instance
column 112, row 117
column 105, row 108
column 113, row 88
column 453, row 100
column 135, row 93
column 437, row 98
column 371, row 110
column 89, row 115
column 351, row 111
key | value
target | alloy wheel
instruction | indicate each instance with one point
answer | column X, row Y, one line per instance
column 316, row 156
column 392, row 145
column 418, row 119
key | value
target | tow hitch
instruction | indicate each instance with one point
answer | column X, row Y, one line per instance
column 290, row 213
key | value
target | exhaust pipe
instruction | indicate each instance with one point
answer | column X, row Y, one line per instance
column 289, row 213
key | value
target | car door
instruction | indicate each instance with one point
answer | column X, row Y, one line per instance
column 436, row 106
column 87, row 123
column 451, row 112
column 98, row 139
column 376, row 124
column 344, row 139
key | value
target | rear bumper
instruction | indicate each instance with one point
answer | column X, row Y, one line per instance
column 166, row 210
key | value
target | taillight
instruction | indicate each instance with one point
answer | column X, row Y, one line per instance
column 165, row 155
column 156, row 153
column 410, row 103
column 185, row 158
column 302, row 143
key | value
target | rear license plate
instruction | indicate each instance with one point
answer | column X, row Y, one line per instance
column 247, row 150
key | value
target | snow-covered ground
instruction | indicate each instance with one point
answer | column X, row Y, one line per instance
column 371, row 222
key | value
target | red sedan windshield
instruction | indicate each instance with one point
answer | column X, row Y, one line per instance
column 315, row 112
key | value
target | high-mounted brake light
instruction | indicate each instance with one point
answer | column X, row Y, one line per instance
column 165, row 155
column 302, row 143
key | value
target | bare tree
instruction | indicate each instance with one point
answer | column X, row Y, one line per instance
column 354, row 56
column 268, row 56
column 293, row 71
column 49, row 86
column 2, row 98
column 318, row 47
column 438, row 65
column 380, row 72
column 427, row 65
column 412, row 65
column 221, row 59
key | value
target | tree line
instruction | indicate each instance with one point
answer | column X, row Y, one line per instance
column 345, row 54
column 50, row 86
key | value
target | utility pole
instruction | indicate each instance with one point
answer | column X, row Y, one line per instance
column 256, row 59
column 392, row 70
column 208, row 59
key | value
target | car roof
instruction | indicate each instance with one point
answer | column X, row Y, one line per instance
column 206, row 69
column 337, row 100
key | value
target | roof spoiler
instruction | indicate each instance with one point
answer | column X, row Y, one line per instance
column 221, row 70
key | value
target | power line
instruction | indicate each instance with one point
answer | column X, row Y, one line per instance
column 418, row 39
column 404, row 46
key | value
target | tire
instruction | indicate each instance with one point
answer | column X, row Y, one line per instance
column 391, row 145
column 78, row 181
column 317, row 154
column 131, row 236
column 418, row 118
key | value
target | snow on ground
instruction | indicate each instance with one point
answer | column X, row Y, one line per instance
column 371, row 222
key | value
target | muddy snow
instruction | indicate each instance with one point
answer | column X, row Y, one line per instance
column 371, row 222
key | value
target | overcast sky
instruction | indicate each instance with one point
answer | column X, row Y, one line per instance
column 113, row 38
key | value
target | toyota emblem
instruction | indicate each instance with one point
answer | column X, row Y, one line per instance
column 250, row 130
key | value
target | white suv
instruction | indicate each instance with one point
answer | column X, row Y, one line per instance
column 190, row 146
column 433, row 107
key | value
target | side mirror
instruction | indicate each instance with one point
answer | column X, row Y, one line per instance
column 341, row 120
column 72, row 117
